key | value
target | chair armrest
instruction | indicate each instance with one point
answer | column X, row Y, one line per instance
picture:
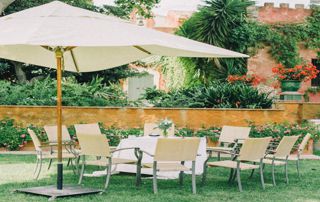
column 71, row 142
column 152, row 155
column 128, row 148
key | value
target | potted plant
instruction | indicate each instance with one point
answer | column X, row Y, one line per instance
column 164, row 126
column 291, row 78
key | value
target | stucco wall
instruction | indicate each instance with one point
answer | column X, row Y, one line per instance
column 136, row 117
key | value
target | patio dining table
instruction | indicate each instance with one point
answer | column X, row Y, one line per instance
column 148, row 144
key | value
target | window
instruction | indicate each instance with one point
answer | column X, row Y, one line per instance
column 316, row 81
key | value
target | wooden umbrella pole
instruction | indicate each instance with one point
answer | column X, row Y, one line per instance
column 59, row 58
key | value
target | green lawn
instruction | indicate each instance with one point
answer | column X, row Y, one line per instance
column 16, row 172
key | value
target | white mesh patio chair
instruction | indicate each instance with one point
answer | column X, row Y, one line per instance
column 90, row 129
column 41, row 155
column 97, row 146
column 228, row 139
column 171, row 155
column 296, row 157
column 68, row 143
column 253, row 149
column 152, row 128
column 279, row 157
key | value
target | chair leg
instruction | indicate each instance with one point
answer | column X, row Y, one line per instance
column 68, row 162
column 36, row 168
column 298, row 168
column 155, row 186
column 181, row 175
column 219, row 156
column 82, row 170
column 239, row 179
column 252, row 172
column 204, row 174
column 194, row 186
column 286, row 171
column 261, row 175
column 39, row 171
column 50, row 162
column 109, row 167
column 231, row 175
column 273, row 175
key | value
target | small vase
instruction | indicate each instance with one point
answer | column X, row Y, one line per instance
column 290, row 85
column 165, row 133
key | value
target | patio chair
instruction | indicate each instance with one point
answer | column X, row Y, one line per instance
column 170, row 155
column 90, row 129
column 279, row 157
column 152, row 128
column 296, row 157
column 41, row 155
column 228, row 139
column 251, row 150
column 97, row 145
column 68, row 143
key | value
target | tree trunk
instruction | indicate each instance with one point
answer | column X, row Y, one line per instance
column 20, row 74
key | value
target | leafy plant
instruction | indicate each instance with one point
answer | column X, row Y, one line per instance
column 215, row 95
column 12, row 137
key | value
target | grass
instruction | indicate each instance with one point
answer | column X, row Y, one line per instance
column 16, row 172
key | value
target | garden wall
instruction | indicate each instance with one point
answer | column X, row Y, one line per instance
column 135, row 117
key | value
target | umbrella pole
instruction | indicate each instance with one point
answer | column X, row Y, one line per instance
column 59, row 58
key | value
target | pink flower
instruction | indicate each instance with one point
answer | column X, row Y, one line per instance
column 23, row 136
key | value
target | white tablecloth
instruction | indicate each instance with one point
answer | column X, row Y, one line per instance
column 149, row 144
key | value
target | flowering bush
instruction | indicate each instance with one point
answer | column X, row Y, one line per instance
column 303, row 72
column 248, row 79
column 12, row 137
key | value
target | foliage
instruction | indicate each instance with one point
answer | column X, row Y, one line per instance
column 250, row 79
column 164, row 125
column 283, row 39
column 215, row 95
column 304, row 72
column 43, row 92
column 142, row 7
column 12, row 137
column 277, row 131
column 311, row 90
column 214, row 24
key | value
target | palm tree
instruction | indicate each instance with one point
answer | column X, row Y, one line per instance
column 214, row 24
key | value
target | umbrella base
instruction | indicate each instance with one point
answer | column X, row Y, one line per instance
column 53, row 192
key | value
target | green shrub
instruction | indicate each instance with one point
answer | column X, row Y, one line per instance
column 12, row 137
column 215, row 95
column 43, row 92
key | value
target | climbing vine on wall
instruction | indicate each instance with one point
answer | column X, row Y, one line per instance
column 283, row 39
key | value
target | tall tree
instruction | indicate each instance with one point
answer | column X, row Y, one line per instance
column 214, row 24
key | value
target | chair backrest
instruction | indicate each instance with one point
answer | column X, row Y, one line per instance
column 89, row 129
column 285, row 146
column 52, row 133
column 94, row 145
column 254, row 149
column 35, row 139
column 230, row 133
column 152, row 128
column 304, row 142
column 176, row 149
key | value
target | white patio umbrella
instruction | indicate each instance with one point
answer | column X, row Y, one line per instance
column 60, row 36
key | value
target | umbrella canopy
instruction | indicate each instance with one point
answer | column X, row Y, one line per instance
column 57, row 35
column 4, row 4
column 101, row 41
